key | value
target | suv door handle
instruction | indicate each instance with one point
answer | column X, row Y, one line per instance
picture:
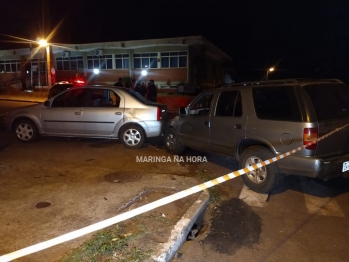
column 118, row 113
column 237, row 126
column 77, row 113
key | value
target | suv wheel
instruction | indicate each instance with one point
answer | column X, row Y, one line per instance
column 26, row 130
column 264, row 179
column 132, row 136
column 172, row 143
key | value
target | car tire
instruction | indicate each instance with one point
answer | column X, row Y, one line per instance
column 26, row 131
column 264, row 179
column 172, row 143
column 132, row 136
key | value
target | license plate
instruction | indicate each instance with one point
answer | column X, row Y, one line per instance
column 345, row 166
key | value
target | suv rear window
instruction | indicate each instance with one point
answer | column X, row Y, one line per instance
column 276, row 103
column 330, row 101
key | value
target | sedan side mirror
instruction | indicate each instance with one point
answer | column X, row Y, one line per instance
column 183, row 110
column 47, row 103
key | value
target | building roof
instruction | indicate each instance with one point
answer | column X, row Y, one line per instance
column 211, row 49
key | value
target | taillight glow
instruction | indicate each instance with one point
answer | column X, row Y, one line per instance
column 158, row 116
column 310, row 135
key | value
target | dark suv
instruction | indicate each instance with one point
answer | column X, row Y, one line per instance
column 255, row 121
column 59, row 87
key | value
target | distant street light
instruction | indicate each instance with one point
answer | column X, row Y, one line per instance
column 144, row 73
column 96, row 72
column 269, row 70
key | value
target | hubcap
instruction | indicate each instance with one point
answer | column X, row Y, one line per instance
column 132, row 137
column 170, row 141
column 256, row 176
column 24, row 132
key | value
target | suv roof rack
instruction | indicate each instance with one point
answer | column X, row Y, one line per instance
column 286, row 81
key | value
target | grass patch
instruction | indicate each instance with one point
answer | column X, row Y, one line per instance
column 215, row 196
column 111, row 244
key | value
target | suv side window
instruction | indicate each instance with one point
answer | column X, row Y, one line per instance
column 229, row 104
column 72, row 98
column 276, row 103
column 202, row 105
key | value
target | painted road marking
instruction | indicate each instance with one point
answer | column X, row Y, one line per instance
column 317, row 201
column 252, row 198
column 326, row 206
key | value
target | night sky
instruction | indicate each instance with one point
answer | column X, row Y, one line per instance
column 299, row 38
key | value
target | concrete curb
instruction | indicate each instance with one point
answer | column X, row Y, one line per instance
column 180, row 231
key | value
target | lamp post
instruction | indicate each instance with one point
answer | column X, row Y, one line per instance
column 269, row 70
column 43, row 43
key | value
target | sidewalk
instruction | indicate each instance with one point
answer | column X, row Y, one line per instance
column 23, row 98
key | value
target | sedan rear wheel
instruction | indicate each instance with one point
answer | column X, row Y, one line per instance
column 132, row 136
column 26, row 131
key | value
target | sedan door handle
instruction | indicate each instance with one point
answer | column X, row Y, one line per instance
column 118, row 113
column 77, row 113
column 237, row 126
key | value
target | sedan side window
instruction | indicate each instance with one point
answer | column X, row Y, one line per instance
column 202, row 105
column 104, row 98
column 72, row 98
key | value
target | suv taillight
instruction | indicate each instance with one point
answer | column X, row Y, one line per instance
column 158, row 116
column 310, row 135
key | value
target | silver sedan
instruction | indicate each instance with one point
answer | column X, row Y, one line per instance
column 91, row 111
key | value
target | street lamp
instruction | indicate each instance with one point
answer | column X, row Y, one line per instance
column 269, row 70
column 43, row 43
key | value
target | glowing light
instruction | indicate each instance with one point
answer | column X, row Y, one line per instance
column 271, row 69
column 144, row 72
column 42, row 42
column 96, row 71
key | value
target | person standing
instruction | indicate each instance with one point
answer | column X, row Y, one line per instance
column 152, row 91
column 119, row 83
column 141, row 88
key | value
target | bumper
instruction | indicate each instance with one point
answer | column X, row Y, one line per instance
column 154, row 128
column 324, row 169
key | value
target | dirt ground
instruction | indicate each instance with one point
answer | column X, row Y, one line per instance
column 58, row 185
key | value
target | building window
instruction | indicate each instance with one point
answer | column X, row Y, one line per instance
column 10, row 66
column 145, row 60
column 100, row 62
column 122, row 61
column 174, row 59
column 73, row 63
column 38, row 65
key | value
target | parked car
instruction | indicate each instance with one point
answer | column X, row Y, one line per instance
column 255, row 121
column 59, row 87
column 91, row 111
